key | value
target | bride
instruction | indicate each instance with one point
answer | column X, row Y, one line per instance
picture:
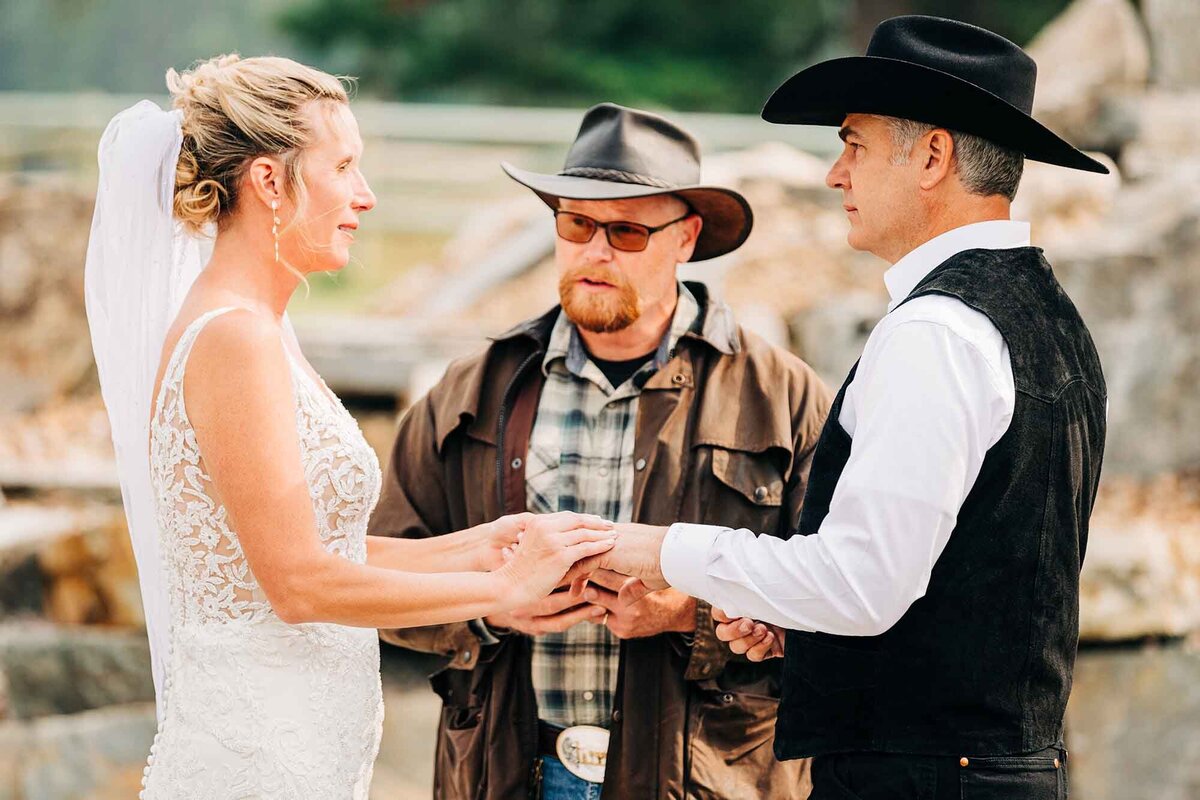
column 247, row 485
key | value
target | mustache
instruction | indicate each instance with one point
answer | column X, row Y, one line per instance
column 592, row 273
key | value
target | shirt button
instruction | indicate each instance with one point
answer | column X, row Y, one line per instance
column 760, row 493
column 616, row 715
column 516, row 463
column 589, row 696
column 467, row 656
column 604, row 472
column 640, row 465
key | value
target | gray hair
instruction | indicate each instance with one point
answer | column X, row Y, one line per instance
column 985, row 168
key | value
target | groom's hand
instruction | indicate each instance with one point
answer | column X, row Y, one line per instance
column 758, row 640
column 636, row 554
column 633, row 612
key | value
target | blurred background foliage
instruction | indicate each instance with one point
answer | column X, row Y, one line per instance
column 700, row 55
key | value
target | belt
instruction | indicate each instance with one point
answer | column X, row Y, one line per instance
column 547, row 739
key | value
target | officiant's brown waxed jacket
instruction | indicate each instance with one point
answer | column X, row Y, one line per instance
column 725, row 435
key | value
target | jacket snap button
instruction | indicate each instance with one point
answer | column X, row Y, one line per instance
column 760, row 493
column 516, row 463
column 726, row 698
column 467, row 656
column 1056, row 764
column 640, row 464
column 616, row 715
column 964, row 761
column 679, row 379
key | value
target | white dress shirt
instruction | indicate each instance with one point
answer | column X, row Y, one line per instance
column 932, row 393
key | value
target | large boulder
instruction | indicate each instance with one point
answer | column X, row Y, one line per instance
column 1173, row 26
column 53, row 669
column 1090, row 51
column 1136, row 280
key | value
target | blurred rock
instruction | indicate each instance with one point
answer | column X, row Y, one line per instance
column 1131, row 724
column 61, row 670
column 1094, row 48
column 831, row 336
column 1173, row 26
column 97, row 754
column 1136, row 280
column 1141, row 574
column 1166, row 130
column 43, row 239
column 1066, row 205
column 69, row 565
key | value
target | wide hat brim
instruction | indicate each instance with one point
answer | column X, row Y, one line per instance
column 726, row 214
column 825, row 93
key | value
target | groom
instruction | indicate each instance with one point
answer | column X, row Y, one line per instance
column 931, row 604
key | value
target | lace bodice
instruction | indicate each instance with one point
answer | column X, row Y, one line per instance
column 211, row 579
column 252, row 706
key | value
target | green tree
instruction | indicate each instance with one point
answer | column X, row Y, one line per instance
column 703, row 55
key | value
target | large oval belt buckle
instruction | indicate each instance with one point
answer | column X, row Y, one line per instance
column 583, row 750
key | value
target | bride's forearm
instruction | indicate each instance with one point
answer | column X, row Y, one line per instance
column 370, row 596
column 452, row 552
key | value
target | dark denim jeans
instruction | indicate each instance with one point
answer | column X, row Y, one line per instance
column 884, row 776
column 559, row 784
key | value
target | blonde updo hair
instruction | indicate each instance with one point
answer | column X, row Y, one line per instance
column 235, row 110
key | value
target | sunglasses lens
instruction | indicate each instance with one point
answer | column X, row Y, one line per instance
column 575, row 227
column 627, row 236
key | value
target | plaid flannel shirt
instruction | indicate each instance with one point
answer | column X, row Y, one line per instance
column 581, row 459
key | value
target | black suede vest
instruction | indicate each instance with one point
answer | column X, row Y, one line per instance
column 982, row 664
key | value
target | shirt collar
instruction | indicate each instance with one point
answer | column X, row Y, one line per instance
column 997, row 234
column 566, row 343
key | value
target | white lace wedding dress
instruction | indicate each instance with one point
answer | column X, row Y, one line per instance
column 254, row 707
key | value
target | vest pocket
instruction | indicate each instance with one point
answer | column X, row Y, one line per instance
column 1030, row 777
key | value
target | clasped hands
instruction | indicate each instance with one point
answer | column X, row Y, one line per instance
column 621, row 588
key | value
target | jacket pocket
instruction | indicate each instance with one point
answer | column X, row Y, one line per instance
column 461, row 743
column 1031, row 777
column 730, row 752
column 747, row 489
column 752, row 475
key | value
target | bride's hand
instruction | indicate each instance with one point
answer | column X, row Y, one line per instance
column 550, row 545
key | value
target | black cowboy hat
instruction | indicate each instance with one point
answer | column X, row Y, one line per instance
column 939, row 71
column 622, row 153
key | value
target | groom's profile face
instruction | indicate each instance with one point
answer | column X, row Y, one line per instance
column 879, row 195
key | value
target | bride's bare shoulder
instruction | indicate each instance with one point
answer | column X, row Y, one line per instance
column 237, row 352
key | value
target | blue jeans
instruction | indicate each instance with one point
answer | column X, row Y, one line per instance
column 559, row 784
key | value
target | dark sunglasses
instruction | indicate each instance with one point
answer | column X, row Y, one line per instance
column 632, row 237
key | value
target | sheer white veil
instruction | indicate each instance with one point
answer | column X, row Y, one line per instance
column 140, row 265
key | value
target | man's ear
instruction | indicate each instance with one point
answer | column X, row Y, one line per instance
column 691, row 234
column 936, row 151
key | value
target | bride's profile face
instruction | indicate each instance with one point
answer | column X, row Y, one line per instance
column 337, row 192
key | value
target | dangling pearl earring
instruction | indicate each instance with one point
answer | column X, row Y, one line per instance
column 275, row 227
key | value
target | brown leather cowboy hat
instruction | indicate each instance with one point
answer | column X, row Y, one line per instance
column 621, row 153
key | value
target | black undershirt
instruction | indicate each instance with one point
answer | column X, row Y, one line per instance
column 618, row 372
